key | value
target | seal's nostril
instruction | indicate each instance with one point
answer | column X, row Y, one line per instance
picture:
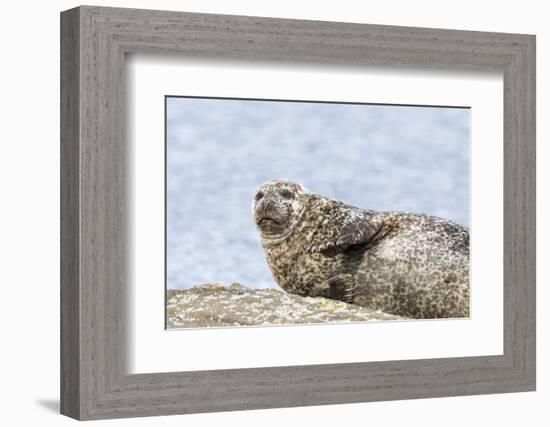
column 267, row 204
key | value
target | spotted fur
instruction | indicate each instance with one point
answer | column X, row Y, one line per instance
column 412, row 265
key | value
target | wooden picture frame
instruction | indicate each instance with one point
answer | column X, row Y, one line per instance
column 94, row 382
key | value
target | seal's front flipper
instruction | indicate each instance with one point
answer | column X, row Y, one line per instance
column 361, row 229
column 340, row 287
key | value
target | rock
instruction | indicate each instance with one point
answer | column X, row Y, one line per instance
column 215, row 305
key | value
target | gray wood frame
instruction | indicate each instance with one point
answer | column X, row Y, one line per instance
column 94, row 41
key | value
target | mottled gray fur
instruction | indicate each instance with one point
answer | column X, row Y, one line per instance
column 412, row 265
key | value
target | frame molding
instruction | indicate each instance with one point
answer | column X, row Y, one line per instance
column 94, row 41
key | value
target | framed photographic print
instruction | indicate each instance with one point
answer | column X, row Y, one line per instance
column 262, row 213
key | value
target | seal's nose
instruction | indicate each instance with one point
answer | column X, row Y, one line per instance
column 267, row 205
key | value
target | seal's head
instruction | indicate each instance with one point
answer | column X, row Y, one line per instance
column 277, row 207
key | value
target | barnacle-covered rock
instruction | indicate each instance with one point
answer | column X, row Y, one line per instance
column 215, row 305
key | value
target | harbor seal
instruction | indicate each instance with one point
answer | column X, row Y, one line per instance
column 412, row 265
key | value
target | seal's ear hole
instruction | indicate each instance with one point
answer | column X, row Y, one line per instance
column 259, row 195
column 287, row 194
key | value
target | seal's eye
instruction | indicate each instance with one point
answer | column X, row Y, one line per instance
column 259, row 195
column 286, row 194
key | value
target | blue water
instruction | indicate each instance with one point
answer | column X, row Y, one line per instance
column 219, row 151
